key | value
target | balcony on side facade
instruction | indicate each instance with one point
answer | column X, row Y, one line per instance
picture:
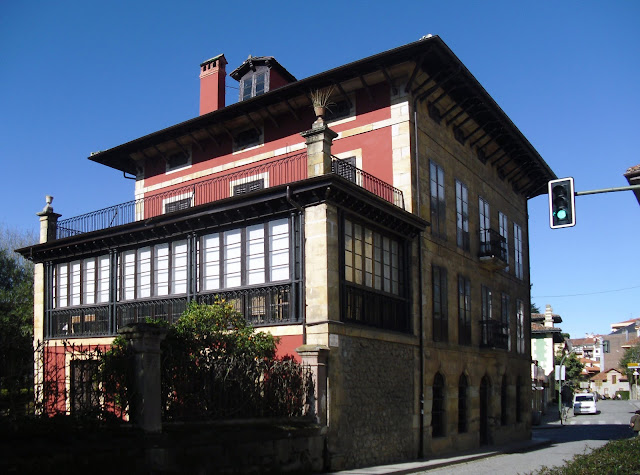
column 495, row 334
column 493, row 250
column 283, row 171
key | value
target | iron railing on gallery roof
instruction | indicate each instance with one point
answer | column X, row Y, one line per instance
column 367, row 181
column 277, row 172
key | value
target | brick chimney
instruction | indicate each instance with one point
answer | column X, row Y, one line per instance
column 212, row 82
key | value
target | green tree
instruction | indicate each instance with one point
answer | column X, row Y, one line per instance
column 16, row 322
column 631, row 355
column 534, row 308
column 573, row 369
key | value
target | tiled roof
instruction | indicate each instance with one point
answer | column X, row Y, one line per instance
column 582, row 341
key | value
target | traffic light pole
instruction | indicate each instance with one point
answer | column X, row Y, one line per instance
column 607, row 190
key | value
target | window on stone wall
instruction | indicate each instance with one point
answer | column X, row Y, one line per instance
column 505, row 314
column 485, row 226
column 519, row 405
column 504, row 401
column 463, row 404
column 504, row 233
column 462, row 216
column 486, row 313
column 439, row 304
column 438, row 224
column 520, row 342
column 517, row 249
column 438, row 407
column 464, row 310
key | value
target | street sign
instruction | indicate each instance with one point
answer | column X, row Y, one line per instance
column 633, row 365
column 560, row 373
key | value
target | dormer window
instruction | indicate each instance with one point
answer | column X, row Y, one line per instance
column 253, row 85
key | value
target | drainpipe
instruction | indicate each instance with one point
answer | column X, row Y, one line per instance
column 420, row 283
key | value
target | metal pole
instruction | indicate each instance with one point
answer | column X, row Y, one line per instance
column 607, row 190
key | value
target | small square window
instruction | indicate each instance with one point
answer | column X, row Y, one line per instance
column 177, row 205
column 178, row 160
column 339, row 110
column 248, row 187
column 246, row 139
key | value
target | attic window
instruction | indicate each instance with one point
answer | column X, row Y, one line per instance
column 178, row 160
column 246, row 139
column 339, row 110
column 254, row 85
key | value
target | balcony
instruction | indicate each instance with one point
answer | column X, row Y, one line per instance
column 493, row 250
column 286, row 170
column 495, row 334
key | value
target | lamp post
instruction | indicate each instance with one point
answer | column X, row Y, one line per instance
column 635, row 373
column 560, row 379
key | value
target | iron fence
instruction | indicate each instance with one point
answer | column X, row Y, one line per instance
column 493, row 244
column 241, row 180
column 277, row 172
column 367, row 181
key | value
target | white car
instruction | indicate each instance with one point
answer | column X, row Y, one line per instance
column 584, row 403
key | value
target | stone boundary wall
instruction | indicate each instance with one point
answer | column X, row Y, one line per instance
column 227, row 447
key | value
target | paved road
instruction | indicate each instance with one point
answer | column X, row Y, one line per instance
column 580, row 435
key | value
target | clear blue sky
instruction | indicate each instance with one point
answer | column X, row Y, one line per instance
column 83, row 76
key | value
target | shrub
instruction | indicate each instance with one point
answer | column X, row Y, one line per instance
column 620, row 457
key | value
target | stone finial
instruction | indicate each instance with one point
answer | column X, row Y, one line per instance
column 48, row 221
column 48, row 208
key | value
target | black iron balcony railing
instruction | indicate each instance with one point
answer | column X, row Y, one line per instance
column 493, row 248
column 242, row 180
column 495, row 334
column 260, row 306
column 367, row 181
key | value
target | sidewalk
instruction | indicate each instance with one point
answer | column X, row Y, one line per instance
column 550, row 420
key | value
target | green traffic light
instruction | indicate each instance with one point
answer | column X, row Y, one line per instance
column 561, row 214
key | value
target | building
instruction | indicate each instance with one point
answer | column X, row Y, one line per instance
column 633, row 178
column 386, row 239
column 546, row 342
column 608, row 383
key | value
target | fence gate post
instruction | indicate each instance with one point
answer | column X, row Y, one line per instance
column 316, row 357
column 145, row 409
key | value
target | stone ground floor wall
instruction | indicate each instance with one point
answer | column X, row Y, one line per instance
column 373, row 402
column 477, row 364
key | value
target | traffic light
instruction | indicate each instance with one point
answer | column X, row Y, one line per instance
column 562, row 203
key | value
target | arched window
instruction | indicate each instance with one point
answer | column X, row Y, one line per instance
column 504, row 402
column 519, row 400
column 463, row 409
column 438, row 408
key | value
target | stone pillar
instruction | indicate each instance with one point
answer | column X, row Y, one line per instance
column 316, row 357
column 48, row 222
column 144, row 339
column 319, row 140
